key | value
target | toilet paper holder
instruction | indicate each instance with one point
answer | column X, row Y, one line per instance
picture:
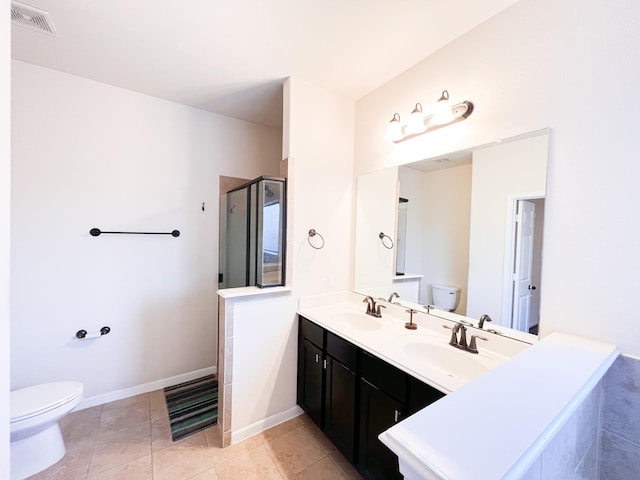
column 81, row 334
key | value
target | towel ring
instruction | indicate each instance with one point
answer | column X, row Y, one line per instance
column 313, row 233
column 385, row 244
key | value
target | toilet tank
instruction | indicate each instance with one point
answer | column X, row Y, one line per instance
column 445, row 297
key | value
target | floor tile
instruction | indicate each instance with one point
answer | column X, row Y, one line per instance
column 294, row 451
column 348, row 470
column 139, row 469
column 158, row 405
column 81, row 423
column 208, row 475
column 281, row 429
column 180, row 462
column 74, row 465
column 115, row 447
column 130, row 439
column 325, row 469
column 321, row 438
column 256, row 464
column 127, row 414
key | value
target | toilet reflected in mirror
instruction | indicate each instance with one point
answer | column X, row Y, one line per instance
column 445, row 297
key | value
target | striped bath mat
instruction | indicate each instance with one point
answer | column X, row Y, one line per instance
column 193, row 406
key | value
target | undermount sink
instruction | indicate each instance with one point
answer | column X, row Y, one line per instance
column 435, row 353
column 359, row 321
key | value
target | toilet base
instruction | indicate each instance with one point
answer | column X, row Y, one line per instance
column 35, row 453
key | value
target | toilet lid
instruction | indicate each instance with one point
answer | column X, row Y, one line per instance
column 30, row 401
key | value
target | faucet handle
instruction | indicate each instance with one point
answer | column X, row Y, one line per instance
column 454, row 335
column 462, row 341
column 473, row 348
column 378, row 307
column 371, row 304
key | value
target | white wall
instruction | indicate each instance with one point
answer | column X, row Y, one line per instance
column 5, row 188
column 318, row 142
column 265, row 359
column 86, row 155
column 541, row 63
column 376, row 201
column 439, row 210
column 500, row 175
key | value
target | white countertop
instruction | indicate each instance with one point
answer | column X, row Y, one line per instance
column 246, row 292
column 387, row 339
column 494, row 427
column 497, row 426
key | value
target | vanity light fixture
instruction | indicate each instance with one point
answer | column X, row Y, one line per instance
column 394, row 130
column 444, row 114
column 416, row 120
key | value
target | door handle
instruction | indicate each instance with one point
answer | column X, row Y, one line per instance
column 317, row 357
column 396, row 415
column 532, row 287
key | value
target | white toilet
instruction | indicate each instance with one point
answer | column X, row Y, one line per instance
column 445, row 297
column 36, row 440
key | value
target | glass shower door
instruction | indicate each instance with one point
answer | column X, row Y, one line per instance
column 271, row 233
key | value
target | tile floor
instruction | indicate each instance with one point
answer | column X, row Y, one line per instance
column 130, row 439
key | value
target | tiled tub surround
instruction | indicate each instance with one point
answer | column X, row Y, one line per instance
column 534, row 417
column 619, row 454
column 601, row 440
column 573, row 451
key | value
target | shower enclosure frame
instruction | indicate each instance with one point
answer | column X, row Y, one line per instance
column 254, row 236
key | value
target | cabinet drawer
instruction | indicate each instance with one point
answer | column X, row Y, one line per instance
column 384, row 376
column 343, row 351
column 312, row 332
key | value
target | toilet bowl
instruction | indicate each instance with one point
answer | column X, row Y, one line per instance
column 36, row 440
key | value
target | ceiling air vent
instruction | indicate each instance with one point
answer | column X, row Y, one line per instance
column 31, row 17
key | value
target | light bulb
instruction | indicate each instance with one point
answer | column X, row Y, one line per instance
column 416, row 120
column 394, row 130
column 442, row 113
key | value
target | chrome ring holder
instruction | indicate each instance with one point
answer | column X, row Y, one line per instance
column 313, row 233
column 388, row 245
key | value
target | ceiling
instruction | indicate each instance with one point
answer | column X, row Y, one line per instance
column 231, row 57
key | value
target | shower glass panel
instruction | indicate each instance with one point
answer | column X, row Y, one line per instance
column 255, row 234
column 401, row 238
column 236, row 274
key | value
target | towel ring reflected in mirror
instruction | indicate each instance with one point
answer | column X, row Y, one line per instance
column 313, row 233
column 383, row 237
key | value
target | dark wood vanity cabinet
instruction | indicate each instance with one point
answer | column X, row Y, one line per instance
column 354, row 396
column 340, row 394
column 310, row 380
column 327, row 384
column 383, row 402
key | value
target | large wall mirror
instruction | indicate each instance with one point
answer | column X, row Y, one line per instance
column 471, row 221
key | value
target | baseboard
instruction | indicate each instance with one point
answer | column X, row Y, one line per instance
column 246, row 432
column 144, row 388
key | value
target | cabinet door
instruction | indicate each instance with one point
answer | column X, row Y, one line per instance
column 421, row 395
column 378, row 412
column 310, row 364
column 340, row 405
